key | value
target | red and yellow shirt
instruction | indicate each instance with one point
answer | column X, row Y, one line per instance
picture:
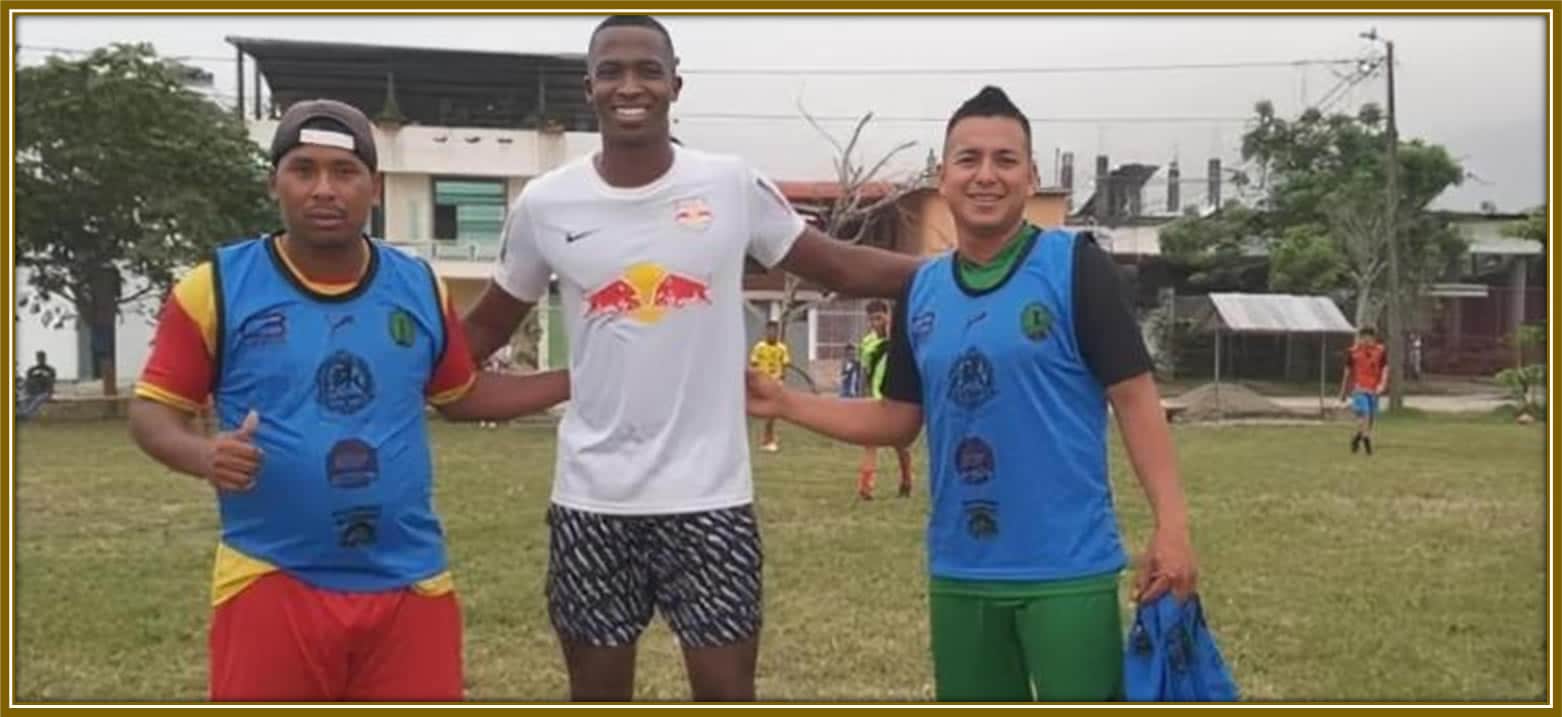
column 179, row 373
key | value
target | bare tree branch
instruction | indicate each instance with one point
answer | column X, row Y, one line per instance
column 133, row 296
column 851, row 173
column 839, row 150
column 879, row 166
column 854, row 211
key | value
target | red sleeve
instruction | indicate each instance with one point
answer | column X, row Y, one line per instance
column 456, row 371
column 179, row 371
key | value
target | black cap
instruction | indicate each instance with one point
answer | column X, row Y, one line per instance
column 327, row 123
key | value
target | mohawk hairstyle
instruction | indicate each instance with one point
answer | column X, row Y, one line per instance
column 990, row 102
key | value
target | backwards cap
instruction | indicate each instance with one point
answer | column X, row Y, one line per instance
column 327, row 123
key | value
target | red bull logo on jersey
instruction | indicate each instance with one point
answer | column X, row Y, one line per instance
column 692, row 213
column 646, row 292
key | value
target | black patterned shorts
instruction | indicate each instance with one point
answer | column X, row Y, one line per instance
column 608, row 573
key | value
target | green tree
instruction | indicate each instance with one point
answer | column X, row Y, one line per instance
column 1532, row 226
column 1526, row 382
column 124, row 177
column 1327, row 173
column 1220, row 248
column 1322, row 216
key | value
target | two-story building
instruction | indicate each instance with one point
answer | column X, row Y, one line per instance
column 459, row 133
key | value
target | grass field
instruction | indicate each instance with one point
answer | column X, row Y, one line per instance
column 1418, row 574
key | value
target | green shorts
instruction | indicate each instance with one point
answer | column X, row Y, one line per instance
column 1027, row 641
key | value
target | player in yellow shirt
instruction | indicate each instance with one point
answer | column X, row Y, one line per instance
column 771, row 358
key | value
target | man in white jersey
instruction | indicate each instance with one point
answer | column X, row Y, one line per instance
column 652, row 495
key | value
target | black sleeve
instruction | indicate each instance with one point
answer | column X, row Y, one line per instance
column 901, row 380
column 1104, row 325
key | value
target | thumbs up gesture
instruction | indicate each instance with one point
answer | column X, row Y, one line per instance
column 233, row 457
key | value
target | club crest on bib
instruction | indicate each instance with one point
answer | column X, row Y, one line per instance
column 974, row 461
column 344, row 383
column 972, row 381
column 1036, row 321
column 403, row 330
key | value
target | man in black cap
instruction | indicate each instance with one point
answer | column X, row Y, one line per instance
column 318, row 348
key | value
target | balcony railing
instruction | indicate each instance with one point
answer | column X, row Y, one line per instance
column 450, row 249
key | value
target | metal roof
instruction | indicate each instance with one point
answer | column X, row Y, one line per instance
column 1124, row 240
column 1505, row 246
column 1486, row 237
column 442, row 87
column 1274, row 314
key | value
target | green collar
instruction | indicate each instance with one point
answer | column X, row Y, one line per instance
column 985, row 277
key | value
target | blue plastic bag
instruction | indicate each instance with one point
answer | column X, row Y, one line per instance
column 1172, row 657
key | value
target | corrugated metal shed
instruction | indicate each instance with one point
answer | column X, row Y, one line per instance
column 1274, row 314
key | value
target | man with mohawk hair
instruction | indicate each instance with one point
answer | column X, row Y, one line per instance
column 1010, row 350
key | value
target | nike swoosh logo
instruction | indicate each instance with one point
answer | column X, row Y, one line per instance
column 571, row 238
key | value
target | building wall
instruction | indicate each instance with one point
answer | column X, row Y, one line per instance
column 67, row 347
column 408, row 205
column 463, row 151
column 410, row 157
column 931, row 226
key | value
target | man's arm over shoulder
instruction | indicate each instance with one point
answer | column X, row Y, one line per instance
column 781, row 237
column 520, row 279
column 463, row 393
column 851, row 269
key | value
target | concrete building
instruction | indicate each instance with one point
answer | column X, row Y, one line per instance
column 459, row 133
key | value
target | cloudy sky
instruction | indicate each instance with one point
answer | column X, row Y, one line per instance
column 1474, row 84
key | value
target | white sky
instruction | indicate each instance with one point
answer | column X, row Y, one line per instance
column 1474, row 84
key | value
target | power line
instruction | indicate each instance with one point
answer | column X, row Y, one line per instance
column 1051, row 70
column 871, row 71
column 77, row 52
column 1359, row 74
column 53, row 50
column 1329, row 98
column 1143, row 119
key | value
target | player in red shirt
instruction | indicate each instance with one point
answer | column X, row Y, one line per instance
column 1366, row 377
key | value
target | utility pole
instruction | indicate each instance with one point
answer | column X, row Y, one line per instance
column 1396, row 313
